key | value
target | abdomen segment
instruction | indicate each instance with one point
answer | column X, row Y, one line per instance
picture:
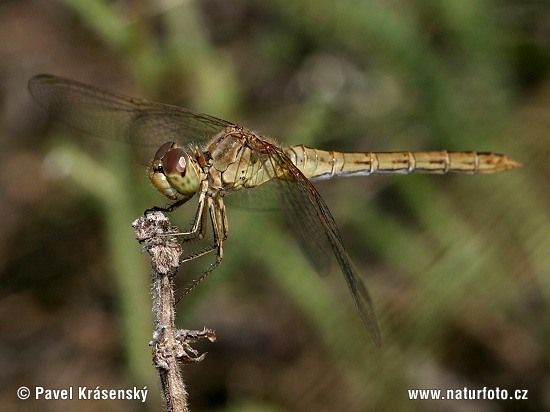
column 316, row 163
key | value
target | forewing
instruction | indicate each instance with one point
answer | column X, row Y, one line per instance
column 114, row 116
column 314, row 227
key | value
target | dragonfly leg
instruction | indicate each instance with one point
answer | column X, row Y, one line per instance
column 168, row 209
column 198, row 228
column 222, row 216
column 218, row 219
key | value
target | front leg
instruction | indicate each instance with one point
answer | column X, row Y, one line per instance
column 168, row 209
column 198, row 228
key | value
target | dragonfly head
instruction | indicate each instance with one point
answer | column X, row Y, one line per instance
column 174, row 173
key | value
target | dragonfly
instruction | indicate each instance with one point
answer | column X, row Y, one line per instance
column 203, row 156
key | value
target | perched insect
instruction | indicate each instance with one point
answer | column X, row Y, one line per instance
column 200, row 154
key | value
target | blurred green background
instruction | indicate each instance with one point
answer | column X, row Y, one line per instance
column 458, row 266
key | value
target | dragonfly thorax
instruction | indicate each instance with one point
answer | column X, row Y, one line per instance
column 174, row 173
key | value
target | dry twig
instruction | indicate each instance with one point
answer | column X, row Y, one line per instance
column 171, row 347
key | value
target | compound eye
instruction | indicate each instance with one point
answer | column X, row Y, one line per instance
column 163, row 150
column 174, row 173
column 175, row 162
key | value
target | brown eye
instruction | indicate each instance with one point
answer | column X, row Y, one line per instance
column 163, row 150
column 175, row 162
column 174, row 173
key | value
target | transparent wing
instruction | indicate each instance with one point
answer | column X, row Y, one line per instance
column 261, row 198
column 114, row 116
column 314, row 227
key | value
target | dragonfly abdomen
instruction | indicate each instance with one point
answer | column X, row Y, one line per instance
column 316, row 163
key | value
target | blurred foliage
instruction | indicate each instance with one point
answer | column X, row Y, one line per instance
column 457, row 266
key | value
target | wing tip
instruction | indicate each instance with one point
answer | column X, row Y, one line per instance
column 376, row 337
column 373, row 329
